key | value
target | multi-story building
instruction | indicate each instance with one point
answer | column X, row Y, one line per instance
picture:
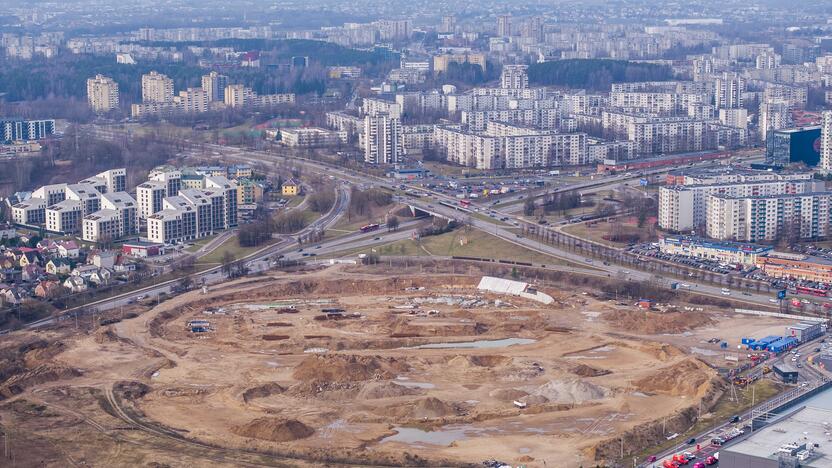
column 237, row 95
column 12, row 130
column 382, row 139
column 30, row 212
column 311, row 137
column 684, row 207
column 214, row 85
column 440, row 62
column 150, row 196
column 729, row 89
column 65, row 217
column 514, row 77
column 793, row 217
column 102, row 94
column 504, row 25
column 117, row 218
column 826, row 142
column 157, row 88
column 774, row 115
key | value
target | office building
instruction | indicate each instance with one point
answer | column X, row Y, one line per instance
column 794, row 145
column 214, row 85
column 102, row 94
column 156, row 88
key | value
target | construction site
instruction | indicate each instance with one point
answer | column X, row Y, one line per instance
column 367, row 365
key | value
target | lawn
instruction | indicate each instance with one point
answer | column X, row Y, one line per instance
column 724, row 409
column 233, row 246
column 200, row 244
column 474, row 243
column 596, row 231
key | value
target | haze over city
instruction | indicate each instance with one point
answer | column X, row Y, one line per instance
column 479, row 233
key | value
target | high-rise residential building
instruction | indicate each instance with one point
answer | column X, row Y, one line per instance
column 382, row 140
column 102, row 94
column 157, row 88
column 768, row 60
column 441, row 62
column 448, row 24
column 214, row 85
column 703, row 66
column 514, row 77
column 504, row 25
column 791, row 217
column 728, row 91
column 533, row 29
column 826, row 142
column 774, row 114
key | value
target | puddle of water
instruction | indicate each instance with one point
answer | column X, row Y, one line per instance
column 479, row 344
column 316, row 350
column 414, row 436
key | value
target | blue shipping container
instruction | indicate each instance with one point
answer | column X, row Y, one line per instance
column 747, row 340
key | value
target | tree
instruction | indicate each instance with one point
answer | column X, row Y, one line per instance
column 228, row 259
column 529, row 207
column 392, row 223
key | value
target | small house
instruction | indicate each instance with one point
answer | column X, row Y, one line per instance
column 75, row 284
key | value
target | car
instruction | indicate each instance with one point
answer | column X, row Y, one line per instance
column 300, row 250
column 735, row 419
column 699, row 465
column 376, row 238
column 317, row 246
column 711, row 461
column 726, row 293
column 773, row 301
column 692, row 441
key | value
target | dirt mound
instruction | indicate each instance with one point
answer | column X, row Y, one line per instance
column 508, row 394
column 425, row 408
column 650, row 323
column 374, row 391
column 274, row 430
column 40, row 374
column 534, row 400
column 347, row 368
column 584, row 370
column 570, row 391
column 690, row 377
column 130, row 390
column 489, row 360
column 262, row 391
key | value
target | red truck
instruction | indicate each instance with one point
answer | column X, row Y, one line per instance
column 680, row 459
column 669, row 464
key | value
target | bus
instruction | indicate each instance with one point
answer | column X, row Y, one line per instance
column 369, row 227
column 810, row 291
column 465, row 203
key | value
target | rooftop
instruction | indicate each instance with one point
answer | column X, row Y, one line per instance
column 810, row 425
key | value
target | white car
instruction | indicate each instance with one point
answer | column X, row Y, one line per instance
column 773, row 301
column 726, row 293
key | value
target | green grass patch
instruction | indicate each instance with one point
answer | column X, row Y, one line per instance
column 230, row 245
column 200, row 244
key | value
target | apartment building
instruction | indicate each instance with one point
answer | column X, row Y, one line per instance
column 382, row 139
column 214, row 85
column 826, row 142
column 31, row 212
column 103, row 225
column 65, row 217
column 684, row 207
column 311, row 137
column 12, row 130
column 195, row 213
column 468, row 149
column 793, row 216
column 150, row 196
column 237, row 96
column 102, row 94
column 156, row 88
column 514, row 77
column 441, row 62
column 729, row 90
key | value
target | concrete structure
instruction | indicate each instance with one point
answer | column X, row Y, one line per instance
column 514, row 77
column 795, row 266
column 805, row 331
column 20, row 130
column 102, row 94
column 754, row 218
column 441, row 62
column 826, row 142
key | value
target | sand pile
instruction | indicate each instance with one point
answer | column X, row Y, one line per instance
column 569, row 391
column 690, row 377
column 508, row 394
column 425, row 408
column 584, row 370
column 649, row 323
column 347, row 368
column 274, row 430
column 262, row 391
column 373, row 391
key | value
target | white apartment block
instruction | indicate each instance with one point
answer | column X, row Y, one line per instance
column 149, row 196
column 768, row 218
column 157, row 88
column 101, row 226
column 729, row 89
column 684, row 207
column 734, row 117
column 514, row 77
column 774, row 114
column 656, row 103
column 65, row 217
column 31, row 212
column 382, row 139
column 102, row 94
column 468, row 149
column 238, row 96
column 311, row 137
column 374, row 106
column 345, row 123
column 826, row 142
